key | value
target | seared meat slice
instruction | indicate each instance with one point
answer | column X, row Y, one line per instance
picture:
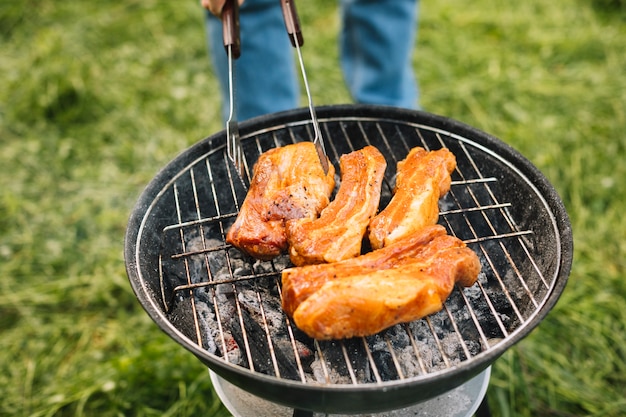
column 338, row 233
column 366, row 303
column 287, row 183
column 299, row 283
column 423, row 177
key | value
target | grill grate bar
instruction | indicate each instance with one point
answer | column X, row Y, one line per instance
column 292, row 340
column 431, row 327
column 200, row 221
column 370, row 360
column 244, row 332
column 471, row 209
column 268, row 334
column 413, row 341
column 476, row 322
column 222, row 248
column 394, row 358
column 457, row 332
column 498, row 237
column 346, row 358
column 225, row 281
column 201, row 251
column 322, row 361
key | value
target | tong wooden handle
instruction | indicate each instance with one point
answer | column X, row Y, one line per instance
column 292, row 22
column 230, row 27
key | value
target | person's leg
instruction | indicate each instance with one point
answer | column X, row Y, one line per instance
column 376, row 43
column 266, row 80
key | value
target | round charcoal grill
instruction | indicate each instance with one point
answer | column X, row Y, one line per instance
column 225, row 307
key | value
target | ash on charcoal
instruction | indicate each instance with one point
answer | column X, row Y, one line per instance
column 474, row 292
column 263, row 305
column 409, row 364
column 327, row 375
column 446, row 203
column 332, row 366
column 426, row 346
column 182, row 317
column 452, row 348
column 207, row 300
column 379, row 346
column 273, row 266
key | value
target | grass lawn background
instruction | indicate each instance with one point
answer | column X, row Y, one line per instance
column 95, row 97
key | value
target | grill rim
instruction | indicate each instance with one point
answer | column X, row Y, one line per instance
column 274, row 388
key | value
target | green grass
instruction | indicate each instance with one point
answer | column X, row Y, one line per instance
column 95, row 97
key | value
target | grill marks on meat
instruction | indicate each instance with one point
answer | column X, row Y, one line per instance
column 367, row 300
column 423, row 178
column 338, row 233
column 287, row 183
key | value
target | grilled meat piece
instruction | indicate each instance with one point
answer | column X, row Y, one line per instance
column 287, row 183
column 365, row 303
column 338, row 233
column 299, row 283
column 422, row 178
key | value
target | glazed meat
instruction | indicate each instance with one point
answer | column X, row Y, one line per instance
column 299, row 283
column 365, row 303
column 423, row 177
column 287, row 183
column 338, row 233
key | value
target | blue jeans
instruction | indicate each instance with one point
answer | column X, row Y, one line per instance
column 376, row 44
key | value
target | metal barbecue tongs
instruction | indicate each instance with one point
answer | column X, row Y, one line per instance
column 232, row 45
column 292, row 24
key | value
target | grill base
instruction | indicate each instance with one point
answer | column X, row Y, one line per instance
column 462, row 401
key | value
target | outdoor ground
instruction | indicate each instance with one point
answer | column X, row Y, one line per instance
column 96, row 96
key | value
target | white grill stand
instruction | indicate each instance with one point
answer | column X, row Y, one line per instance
column 462, row 401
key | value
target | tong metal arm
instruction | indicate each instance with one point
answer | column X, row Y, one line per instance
column 232, row 45
column 292, row 23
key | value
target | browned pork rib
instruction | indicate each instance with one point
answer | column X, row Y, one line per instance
column 287, row 183
column 423, row 177
column 299, row 283
column 338, row 233
column 365, row 303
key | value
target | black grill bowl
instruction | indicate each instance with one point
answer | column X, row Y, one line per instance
column 224, row 307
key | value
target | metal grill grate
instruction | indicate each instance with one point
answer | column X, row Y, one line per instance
column 229, row 306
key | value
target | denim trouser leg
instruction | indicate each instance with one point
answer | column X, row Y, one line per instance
column 376, row 41
column 266, row 80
